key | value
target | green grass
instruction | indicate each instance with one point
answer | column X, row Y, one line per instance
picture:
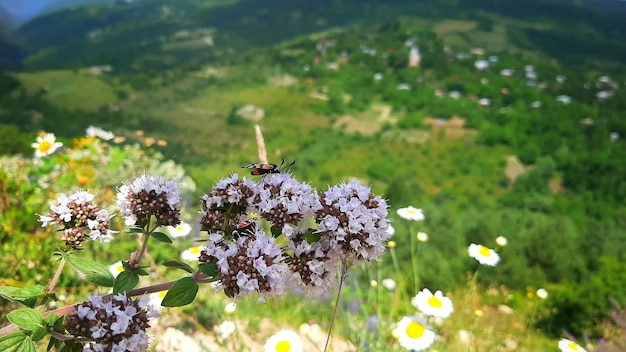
column 79, row 90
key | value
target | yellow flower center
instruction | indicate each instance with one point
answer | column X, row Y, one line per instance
column 283, row 346
column 119, row 268
column 415, row 330
column 573, row 346
column 162, row 294
column 195, row 250
column 411, row 211
column 484, row 251
column 392, row 244
column 44, row 146
column 435, row 302
column 179, row 228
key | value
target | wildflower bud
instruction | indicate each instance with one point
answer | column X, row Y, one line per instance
column 501, row 241
column 422, row 237
column 542, row 293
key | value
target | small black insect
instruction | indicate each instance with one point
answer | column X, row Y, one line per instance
column 264, row 169
column 245, row 228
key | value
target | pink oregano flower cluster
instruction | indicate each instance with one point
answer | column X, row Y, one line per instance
column 80, row 218
column 309, row 234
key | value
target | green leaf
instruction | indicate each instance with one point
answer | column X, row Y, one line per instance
column 209, row 270
column 179, row 265
column 182, row 293
column 312, row 237
column 125, row 281
column 95, row 272
column 39, row 334
column 135, row 230
column 30, row 302
column 141, row 272
column 56, row 256
column 275, row 231
column 161, row 237
column 26, row 318
column 17, row 294
column 16, row 342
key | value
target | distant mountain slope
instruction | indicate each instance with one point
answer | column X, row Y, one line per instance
column 24, row 9
column 8, row 21
column 62, row 4
column 152, row 34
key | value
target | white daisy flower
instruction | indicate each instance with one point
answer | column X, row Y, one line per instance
column 156, row 298
column 46, row 144
column 414, row 334
column 116, row 268
column 284, row 341
column 542, row 293
column 181, row 230
column 92, row 131
column 484, row 255
column 227, row 328
column 570, row 346
column 436, row 305
column 411, row 213
column 191, row 254
column 389, row 284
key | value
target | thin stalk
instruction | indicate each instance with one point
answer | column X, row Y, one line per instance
column 342, row 278
column 379, row 307
column 57, row 275
column 144, row 245
column 416, row 279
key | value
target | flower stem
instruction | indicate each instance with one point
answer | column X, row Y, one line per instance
column 144, row 243
column 416, row 279
column 342, row 277
column 57, row 275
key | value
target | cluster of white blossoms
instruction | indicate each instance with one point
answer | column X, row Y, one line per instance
column 250, row 264
column 282, row 200
column 77, row 214
column 354, row 221
column 149, row 196
column 345, row 223
column 222, row 208
column 114, row 324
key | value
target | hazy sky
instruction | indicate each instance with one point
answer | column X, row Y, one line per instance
column 24, row 8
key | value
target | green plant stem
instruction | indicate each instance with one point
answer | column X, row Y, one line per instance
column 144, row 245
column 396, row 265
column 416, row 280
column 57, row 275
column 342, row 277
column 379, row 308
